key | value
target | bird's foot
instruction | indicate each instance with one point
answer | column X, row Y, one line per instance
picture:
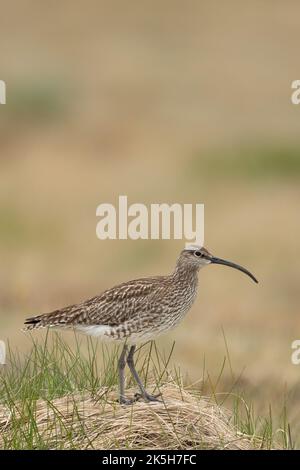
column 128, row 401
column 147, row 397
column 137, row 396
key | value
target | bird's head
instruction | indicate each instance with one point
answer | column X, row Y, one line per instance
column 197, row 257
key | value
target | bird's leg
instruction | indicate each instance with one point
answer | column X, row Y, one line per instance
column 121, row 368
column 144, row 394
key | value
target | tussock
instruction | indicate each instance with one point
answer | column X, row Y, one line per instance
column 184, row 420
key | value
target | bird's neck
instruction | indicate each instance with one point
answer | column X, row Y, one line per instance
column 186, row 274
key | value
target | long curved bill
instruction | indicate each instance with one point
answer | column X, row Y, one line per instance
column 233, row 265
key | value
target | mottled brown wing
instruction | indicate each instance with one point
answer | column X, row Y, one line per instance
column 113, row 307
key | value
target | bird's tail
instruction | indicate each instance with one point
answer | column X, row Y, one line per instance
column 33, row 322
column 45, row 320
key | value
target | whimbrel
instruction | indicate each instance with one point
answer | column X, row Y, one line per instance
column 137, row 311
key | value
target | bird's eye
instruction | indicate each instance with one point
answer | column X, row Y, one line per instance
column 198, row 253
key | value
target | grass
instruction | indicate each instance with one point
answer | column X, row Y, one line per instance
column 57, row 397
column 37, row 101
column 252, row 162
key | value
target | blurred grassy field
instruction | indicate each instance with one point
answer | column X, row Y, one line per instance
column 163, row 103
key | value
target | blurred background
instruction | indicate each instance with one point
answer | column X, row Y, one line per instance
column 163, row 102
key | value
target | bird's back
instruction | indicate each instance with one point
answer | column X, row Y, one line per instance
column 141, row 308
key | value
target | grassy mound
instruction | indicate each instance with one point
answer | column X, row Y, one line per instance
column 181, row 421
column 56, row 398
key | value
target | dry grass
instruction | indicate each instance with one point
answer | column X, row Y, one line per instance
column 182, row 421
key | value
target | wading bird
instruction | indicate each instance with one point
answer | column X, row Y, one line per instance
column 137, row 311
